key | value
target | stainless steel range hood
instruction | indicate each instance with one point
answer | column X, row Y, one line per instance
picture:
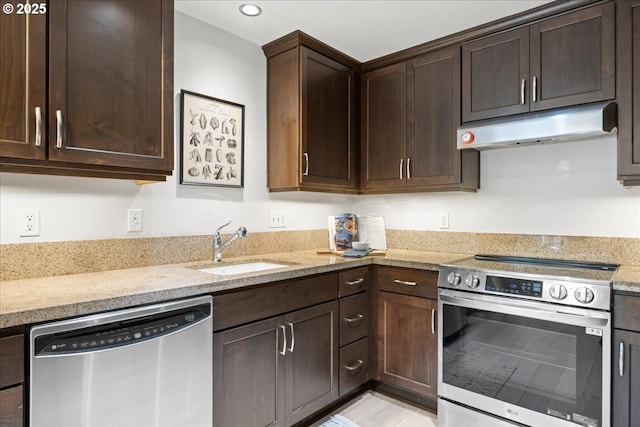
column 561, row 125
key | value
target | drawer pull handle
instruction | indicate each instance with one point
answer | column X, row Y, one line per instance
column 354, row 282
column 293, row 338
column 353, row 369
column 284, row 341
column 354, row 322
column 404, row 282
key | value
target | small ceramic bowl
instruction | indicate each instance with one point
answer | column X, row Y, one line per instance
column 360, row 246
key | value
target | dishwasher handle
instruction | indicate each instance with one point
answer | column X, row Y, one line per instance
column 122, row 333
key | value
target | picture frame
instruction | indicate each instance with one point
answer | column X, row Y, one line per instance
column 211, row 141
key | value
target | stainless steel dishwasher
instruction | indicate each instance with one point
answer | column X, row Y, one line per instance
column 146, row 366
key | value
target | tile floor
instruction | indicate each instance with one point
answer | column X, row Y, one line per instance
column 373, row 409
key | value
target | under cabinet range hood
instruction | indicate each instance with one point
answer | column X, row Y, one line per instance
column 567, row 124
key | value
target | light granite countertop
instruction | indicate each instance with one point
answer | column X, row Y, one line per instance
column 27, row 301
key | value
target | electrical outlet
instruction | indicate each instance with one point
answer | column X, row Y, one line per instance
column 444, row 220
column 277, row 219
column 29, row 222
column 134, row 220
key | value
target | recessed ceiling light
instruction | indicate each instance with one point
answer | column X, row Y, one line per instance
column 249, row 9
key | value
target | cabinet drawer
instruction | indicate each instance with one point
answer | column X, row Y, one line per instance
column 353, row 281
column 354, row 318
column 11, row 408
column 626, row 312
column 11, row 360
column 354, row 365
column 270, row 300
column 405, row 281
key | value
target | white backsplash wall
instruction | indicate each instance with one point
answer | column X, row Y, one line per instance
column 565, row 189
column 556, row 189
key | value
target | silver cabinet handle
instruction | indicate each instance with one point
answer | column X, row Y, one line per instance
column 401, row 164
column 353, row 322
column 433, row 320
column 408, row 168
column 293, row 337
column 58, row 129
column 354, row 282
column 355, row 367
column 284, row 340
column 402, row 282
column 534, row 89
column 522, row 94
column 621, row 359
column 38, row 126
column 306, row 163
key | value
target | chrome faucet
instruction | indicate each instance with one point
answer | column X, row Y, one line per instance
column 219, row 245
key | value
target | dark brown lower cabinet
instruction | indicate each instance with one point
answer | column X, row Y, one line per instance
column 11, row 380
column 407, row 340
column 625, row 373
column 625, row 407
column 278, row 371
column 11, row 412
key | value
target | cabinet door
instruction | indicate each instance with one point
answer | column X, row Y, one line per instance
column 248, row 372
column 11, row 379
column 628, row 80
column 573, row 58
column 327, row 121
column 111, row 80
column 312, row 360
column 22, row 85
column 384, row 121
column 406, row 342
column 11, row 407
column 433, row 115
column 625, row 410
column 495, row 73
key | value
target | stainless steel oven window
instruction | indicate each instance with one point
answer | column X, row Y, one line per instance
column 525, row 356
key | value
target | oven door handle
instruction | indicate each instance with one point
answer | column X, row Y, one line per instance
column 536, row 310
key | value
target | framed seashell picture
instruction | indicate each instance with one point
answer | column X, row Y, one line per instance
column 211, row 141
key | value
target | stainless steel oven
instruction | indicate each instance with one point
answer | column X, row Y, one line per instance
column 524, row 342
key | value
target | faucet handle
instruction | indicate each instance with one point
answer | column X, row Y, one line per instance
column 222, row 226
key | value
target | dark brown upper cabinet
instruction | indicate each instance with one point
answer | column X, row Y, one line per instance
column 23, row 71
column 562, row 61
column 410, row 114
column 628, row 75
column 312, row 116
column 109, row 109
column 384, row 128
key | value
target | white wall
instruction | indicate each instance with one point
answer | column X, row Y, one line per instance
column 567, row 189
column 207, row 61
column 557, row 189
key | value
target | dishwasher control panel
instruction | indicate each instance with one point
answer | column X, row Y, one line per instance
column 120, row 333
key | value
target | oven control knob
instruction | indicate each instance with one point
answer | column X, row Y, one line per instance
column 472, row 281
column 584, row 295
column 558, row 292
column 454, row 279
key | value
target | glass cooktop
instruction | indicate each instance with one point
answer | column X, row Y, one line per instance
column 565, row 269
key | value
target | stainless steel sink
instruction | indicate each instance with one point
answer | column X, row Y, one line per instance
column 248, row 267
